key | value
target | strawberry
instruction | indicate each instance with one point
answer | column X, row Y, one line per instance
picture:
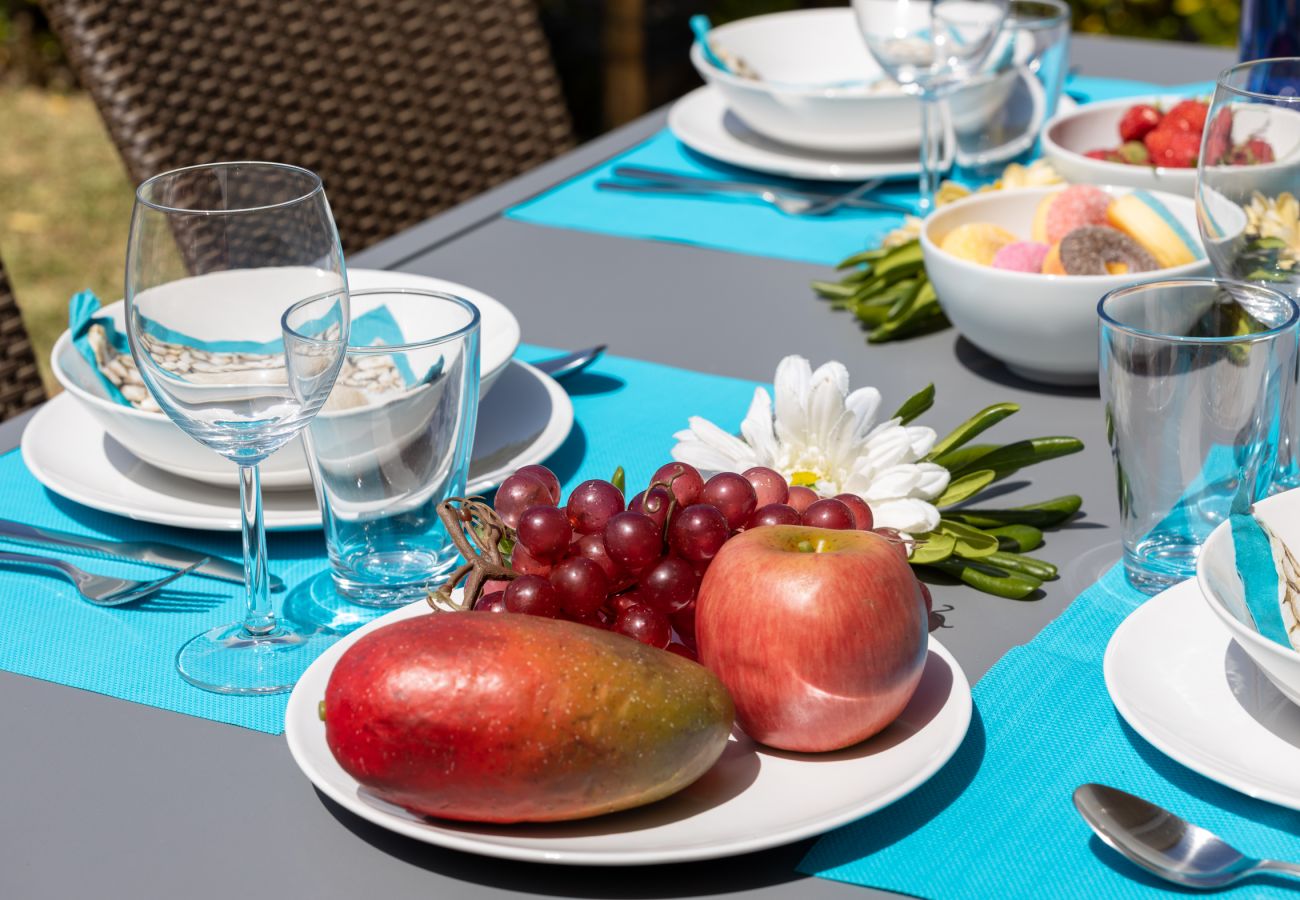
column 1173, row 147
column 1252, row 152
column 1138, row 121
column 1189, row 115
column 1103, row 155
column 1218, row 141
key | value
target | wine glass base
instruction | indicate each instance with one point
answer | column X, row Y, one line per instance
column 230, row 660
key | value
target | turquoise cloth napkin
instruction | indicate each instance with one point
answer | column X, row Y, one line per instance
column 998, row 821
column 745, row 224
column 626, row 413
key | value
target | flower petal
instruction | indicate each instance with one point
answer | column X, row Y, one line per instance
column 934, row 481
column 922, row 440
column 704, row 457
column 727, row 444
column 893, row 483
column 757, row 428
column 906, row 514
column 793, row 376
column 864, row 403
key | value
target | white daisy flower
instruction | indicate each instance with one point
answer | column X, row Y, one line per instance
column 821, row 435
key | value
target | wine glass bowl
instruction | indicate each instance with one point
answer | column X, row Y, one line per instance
column 1248, row 191
column 236, row 308
column 930, row 47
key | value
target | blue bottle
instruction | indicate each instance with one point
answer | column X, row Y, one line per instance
column 1269, row 28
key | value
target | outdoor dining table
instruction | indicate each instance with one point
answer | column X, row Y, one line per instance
column 105, row 798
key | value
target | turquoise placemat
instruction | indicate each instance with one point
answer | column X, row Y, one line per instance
column 626, row 413
column 743, row 224
column 998, row 821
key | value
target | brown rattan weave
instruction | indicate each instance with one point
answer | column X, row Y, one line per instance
column 404, row 107
column 20, row 383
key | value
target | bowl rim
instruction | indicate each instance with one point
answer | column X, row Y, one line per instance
column 928, row 244
column 1050, row 143
column 65, row 381
column 709, row 71
column 1238, row 629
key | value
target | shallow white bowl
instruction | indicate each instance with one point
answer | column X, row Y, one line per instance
column 1071, row 134
column 1044, row 327
column 155, row 439
column 798, row 54
column 1216, row 575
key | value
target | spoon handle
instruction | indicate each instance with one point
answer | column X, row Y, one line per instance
column 1277, row 865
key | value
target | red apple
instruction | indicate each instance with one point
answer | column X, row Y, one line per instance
column 819, row 635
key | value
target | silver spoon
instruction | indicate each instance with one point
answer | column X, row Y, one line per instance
column 1166, row 845
column 570, row 363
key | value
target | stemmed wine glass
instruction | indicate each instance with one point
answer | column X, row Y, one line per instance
column 930, row 47
column 237, row 316
column 1248, row 192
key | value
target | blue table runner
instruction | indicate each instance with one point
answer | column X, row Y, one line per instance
column 745, row 224
column 625, row 414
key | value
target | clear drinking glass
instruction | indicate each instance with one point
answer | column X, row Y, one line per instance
column 392, row 442
column 1195, row 376
column 219, row 259
column 1248, row 190
column 930, row 47
column 998, row 116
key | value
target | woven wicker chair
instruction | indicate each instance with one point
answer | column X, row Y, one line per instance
column 404, row 107
column 20, row 382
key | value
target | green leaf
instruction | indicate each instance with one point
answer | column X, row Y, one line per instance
column 866, row 257
column 932, row 547
column 971, row 542
column 906, row 257
column 981, row 421
column 1040, row 515
column 915, row 405
column 967, row 486
column 1017, row 538
column 619, row 480
column 832, row 291
column 961, row 459
column 1010, row 457
column 1024, row 565
column 991, row 579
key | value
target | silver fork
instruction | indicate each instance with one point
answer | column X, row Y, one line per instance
column 101, row 590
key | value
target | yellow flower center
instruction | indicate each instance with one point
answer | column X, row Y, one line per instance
column 803, row 478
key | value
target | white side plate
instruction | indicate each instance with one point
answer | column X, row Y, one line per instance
column 1181, row 682
column 522, row 420
column 751, row 799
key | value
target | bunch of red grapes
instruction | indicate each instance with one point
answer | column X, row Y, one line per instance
column 635, row 568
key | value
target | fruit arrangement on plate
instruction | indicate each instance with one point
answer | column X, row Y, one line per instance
column 561, row 694
column 1152, row 137
column 1082, row 230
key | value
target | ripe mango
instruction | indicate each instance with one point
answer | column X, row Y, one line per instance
column 512, row 718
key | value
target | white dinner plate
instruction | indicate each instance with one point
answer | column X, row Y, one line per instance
column 1180, row 680
column 751, row 799
column 701, row 121
column 522, row 420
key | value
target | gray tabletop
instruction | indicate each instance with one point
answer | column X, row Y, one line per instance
column 112, row 799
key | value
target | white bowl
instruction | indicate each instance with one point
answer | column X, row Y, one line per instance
column 798, row 54
column 1216, row 575
column 1044, row 327
column 803, row 55
column 154, row 438
column 1071, row 134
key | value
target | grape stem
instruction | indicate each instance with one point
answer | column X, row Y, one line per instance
column 470, row 521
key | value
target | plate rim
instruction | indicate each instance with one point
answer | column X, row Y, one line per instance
column 558, row 429
column 1180, row 750
column 959, row 704
column 802, row 167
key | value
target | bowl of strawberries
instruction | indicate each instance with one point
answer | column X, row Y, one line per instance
column 1156, row 142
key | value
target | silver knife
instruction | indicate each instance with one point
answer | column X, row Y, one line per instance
column 169, row 556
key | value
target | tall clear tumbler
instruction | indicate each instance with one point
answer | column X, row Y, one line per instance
column 392, row 442
column 1195, row 376
column 237, row 315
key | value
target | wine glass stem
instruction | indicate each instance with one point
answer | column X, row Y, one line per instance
column 258, row 618
column 931, row 149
